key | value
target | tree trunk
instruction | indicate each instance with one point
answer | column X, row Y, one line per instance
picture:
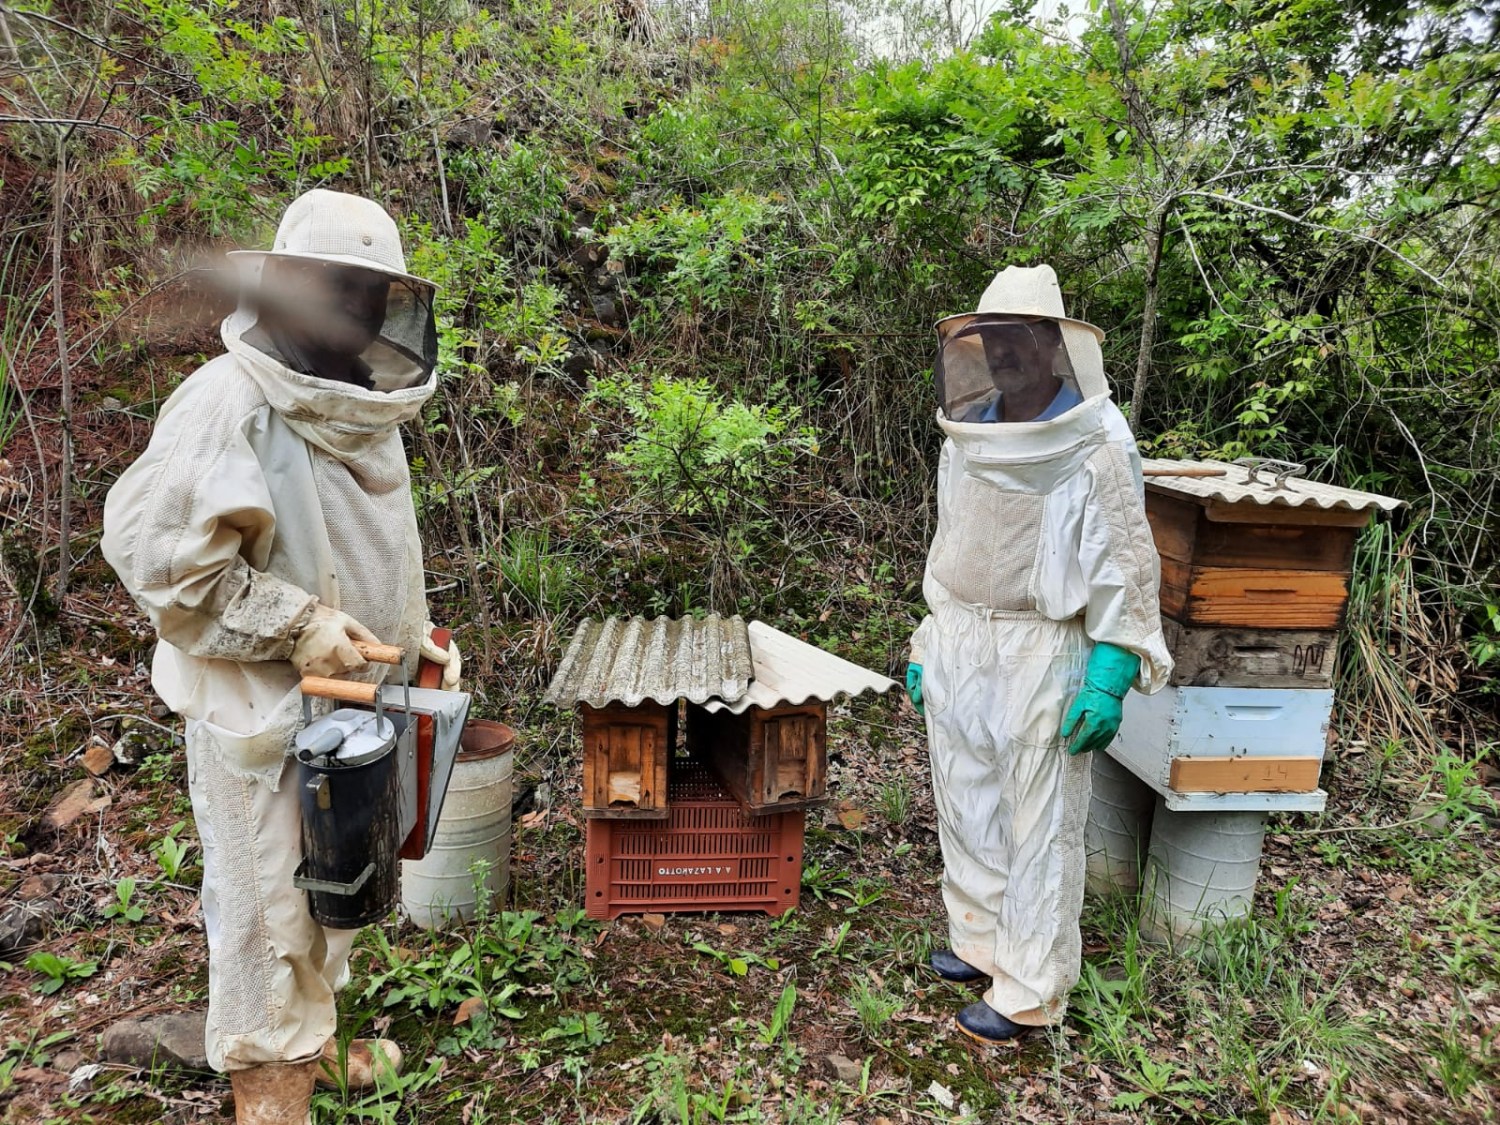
column 65, row 411
column 1155, row 232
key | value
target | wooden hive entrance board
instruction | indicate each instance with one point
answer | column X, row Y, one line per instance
column 1245, row 775
column 625, row 753
column 770, row 760
column 1268, row 658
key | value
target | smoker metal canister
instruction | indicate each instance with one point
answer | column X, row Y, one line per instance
column 351, row 806
column 351, row 832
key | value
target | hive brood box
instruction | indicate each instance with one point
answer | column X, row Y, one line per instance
column 1255, row 582
column 768, row 758
column 625, row 758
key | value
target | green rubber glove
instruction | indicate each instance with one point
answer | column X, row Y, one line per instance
column 914, row 687
column 1094, row 718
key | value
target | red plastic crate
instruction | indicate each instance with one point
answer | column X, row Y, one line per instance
column 706, row 856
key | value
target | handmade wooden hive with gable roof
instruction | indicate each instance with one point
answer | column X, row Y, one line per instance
column 711, row 820
column 752, row 703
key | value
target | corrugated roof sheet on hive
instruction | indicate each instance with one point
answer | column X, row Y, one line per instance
column 1237, row 487
column 629, row 662
column 789, row 672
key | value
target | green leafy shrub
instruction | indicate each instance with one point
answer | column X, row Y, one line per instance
column 700, row 453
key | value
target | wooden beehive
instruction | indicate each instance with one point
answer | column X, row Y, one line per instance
column 1249, row 566
column 769, row 759
column 1222, row 748
column 757, row 704
column 1255, row 582
column 625, row 755
column 1267, row 658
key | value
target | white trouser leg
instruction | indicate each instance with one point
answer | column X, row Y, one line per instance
column 336, row 960
column 272, row 969
column 1011, row 803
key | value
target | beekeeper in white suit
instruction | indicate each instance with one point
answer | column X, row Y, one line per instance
column 1042, row 586
column 266, row 529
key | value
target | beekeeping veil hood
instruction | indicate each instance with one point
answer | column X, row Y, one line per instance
column 334, row 286
column 1018, row 358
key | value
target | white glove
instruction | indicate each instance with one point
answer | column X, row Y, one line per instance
column 325, row 646
column 447, row 658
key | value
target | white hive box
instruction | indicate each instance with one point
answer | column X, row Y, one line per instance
column 1185, row 742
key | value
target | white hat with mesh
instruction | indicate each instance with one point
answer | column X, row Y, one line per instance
column 1019, row 293
column 334, row 226
column 1029, row 291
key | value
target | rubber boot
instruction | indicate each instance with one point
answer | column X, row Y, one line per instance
column 983, row 1024
column 359, row 1064
column 950, row 966
column 277, row 1094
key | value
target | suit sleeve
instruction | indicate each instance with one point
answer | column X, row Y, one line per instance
column 188, row 528
column 1117, row 555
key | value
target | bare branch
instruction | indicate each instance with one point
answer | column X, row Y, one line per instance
column 69, row 123
column 1289, row 217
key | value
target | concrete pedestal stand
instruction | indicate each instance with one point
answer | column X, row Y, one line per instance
column 1118, row 828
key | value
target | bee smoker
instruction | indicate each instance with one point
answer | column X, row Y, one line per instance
column 359, row 773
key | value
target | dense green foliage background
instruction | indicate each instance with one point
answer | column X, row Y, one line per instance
column 691, row 256
column 691, row 253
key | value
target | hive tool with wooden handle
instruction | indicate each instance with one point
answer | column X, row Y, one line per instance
column 374, row 776
column 1187, row 471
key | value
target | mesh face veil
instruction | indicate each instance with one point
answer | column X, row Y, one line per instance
column 311, row 314
column 1000, row 367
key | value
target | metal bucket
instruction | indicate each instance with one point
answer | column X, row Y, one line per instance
column 475, row 825
column 1201, row 871
column 1119, row 825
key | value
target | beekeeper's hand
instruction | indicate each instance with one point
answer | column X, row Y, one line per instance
column 325, row 645
column 1094, row 718
column 914, row 687
column 446, row 658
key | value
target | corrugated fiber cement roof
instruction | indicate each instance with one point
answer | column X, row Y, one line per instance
column 789, row 672
column 631, row 661
column 1237, row 487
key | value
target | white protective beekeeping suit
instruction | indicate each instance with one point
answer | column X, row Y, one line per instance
column 1042, row 548
column 263, row 494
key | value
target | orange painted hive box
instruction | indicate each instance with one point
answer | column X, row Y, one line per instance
column 1255, row 569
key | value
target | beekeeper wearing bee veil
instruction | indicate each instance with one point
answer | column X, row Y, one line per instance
column 267, row 528
column 1042, row 588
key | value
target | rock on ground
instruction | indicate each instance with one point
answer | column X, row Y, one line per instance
column 98, row 759
column 170, row 1040
column 23, row 924
column 843, row 1069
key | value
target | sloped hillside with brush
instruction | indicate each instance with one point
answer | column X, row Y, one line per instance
column 689, row 258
